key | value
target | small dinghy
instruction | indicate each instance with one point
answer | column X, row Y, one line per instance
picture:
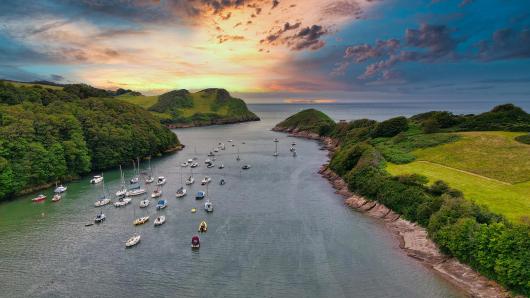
column 96, row 179
column 161, row 180
column 160, row 220
column 149, row 179
column 222, row 182
column 102, row 202
column 230, row 141
column 208, row 161
column 156, row 193
column 208, row 206
column 222, row 166
column 161, row 204
column 216, row 150
column 56, row 197
column 184, row 164
column 141, row 220
column 200, row 195
column 190, row 180
column 203, row 227
column 211, row 154
column 60, row 189
column 193, row 210
column 191, row 160
column 206, row 180
column 122, row 202
column 144, row 203
column 246, row 167
column 210, row 165
column 39, row 198
column 132, row 241
column 180, row 192
column 195, row 242
column 194, row 165
column 100, row 218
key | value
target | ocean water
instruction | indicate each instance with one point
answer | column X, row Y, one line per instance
column 278, row 230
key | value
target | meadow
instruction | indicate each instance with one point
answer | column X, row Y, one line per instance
column 490, row 168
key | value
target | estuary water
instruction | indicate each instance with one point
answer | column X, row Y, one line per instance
column 278, row 230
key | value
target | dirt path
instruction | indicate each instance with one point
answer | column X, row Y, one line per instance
column 464, row 171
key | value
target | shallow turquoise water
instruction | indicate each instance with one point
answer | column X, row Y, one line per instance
column 278, row 230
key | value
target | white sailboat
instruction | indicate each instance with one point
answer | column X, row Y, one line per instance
column 206, row 180
column 104, row 199
column 149, row 178
column 181, row 192
column 144, row 203
column 276, row 147
column 135, row 238
column 156, row 193
column 123, row 189
column 160, row 220
column 135, row 179
column 161, row 180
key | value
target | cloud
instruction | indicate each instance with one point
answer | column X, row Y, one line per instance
column 305, row 38
column 505, row 44
column 224, row 38
column 429, row 43
column 343, row 8
column 56, row 78
column 275, row 3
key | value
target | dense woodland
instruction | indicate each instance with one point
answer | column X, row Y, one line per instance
column 49, row 135
column 486, row 241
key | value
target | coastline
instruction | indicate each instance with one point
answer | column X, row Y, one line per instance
column 210, row 123
column 413, row 239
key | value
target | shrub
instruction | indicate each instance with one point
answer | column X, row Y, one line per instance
column 390, row 127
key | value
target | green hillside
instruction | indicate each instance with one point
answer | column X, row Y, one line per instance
column 181, row 108
column 307, row 120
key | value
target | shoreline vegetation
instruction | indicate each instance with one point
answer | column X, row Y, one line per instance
column 57, row 134
column 463, row 242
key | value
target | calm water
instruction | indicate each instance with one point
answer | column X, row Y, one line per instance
column 278, row 230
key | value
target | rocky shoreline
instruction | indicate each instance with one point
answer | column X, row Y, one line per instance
column 210, row 123
column 413, row 239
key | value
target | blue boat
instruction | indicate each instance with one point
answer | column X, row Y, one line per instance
column 200, row 195
column 161, row 204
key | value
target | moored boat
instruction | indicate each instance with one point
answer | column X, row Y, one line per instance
column 141, row 220
column 222, row 182
column 102, row 202
column 160, row 220
column 144, row 203
column 180, row 192
column 203, row 227
column 246, row 167
column 149, row 179
column 206, row 180
column 221, row 166
column 156, row 193
column 161, row 180
column 96, row 179
column 122, row 202
column 135, row 191
column 200, row 195
column 56, row 197
column 161, row 204
column 100, row 217
column 194, row 164
column 184, row 164
column 195, row 242
column 190, row 180
column 208, row 206
column 60, row 189
column 133, row 241
column 39, row 198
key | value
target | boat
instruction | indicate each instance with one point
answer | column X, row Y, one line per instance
column 293, row 144
column 122, row 202
column 190, row 180
column 206, row 180
column 292, row 149
column 190, row 160
column 207, row 161
column 141, row 220
column 160, row 220
column 194, row 164
column 180, row 192
column 100, row 218
column 102, row 201
column 135, row 179
column 222, row 182
column 246, row 167
column 56, row 197
column 200, row 195
column 230, row 141
column 210, row 165
column 156, row 193
column 132, row 241
column 60, row 189
column 144, row 203
column 276, row 147
column 193, row 210
column 161, row 204
column 222, row 166
column 237, row 158
column 135, row 192
column 195, row 242
column 123, row 189
column 203, row 227
column 208, row 206
column 211, row 154
column 184, row 164
column 96, row 179
column 215, row 150
column 39, row 198
column 161, row 180
column 149, row 179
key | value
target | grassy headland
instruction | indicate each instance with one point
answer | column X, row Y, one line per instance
column 181, row 108
column 445, row 180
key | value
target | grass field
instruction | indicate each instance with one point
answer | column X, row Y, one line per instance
column 202, row 104
column 490, row 168
column 19, row 84
column 141, row 100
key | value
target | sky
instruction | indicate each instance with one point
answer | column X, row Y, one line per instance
column 276, row 50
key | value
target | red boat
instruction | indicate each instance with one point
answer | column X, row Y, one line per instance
column 39, row 198
column 195, row 242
